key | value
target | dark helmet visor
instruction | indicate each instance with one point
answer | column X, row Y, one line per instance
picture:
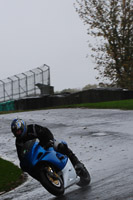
column 17, row 132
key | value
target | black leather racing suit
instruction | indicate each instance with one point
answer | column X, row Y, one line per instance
column 34, row 131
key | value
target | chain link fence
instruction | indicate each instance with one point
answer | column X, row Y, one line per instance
column 24, row 84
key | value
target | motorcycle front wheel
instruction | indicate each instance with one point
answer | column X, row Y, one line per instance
column 50, row 180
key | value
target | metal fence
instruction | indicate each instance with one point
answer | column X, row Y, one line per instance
column 24, row 84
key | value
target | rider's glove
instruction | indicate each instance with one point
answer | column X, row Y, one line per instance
column 50, row 144
column 60, row 146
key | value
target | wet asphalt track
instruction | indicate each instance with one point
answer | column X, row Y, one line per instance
column 102, row 139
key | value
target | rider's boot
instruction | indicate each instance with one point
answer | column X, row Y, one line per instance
column 79, row 167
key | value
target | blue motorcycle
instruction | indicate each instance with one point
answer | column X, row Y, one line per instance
column 52, row 169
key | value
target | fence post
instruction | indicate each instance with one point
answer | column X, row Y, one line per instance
column 3, row 88
column 18, row 84
column 11, row 86
column 42, row 74
column 48, row 74
column 26, row 84
column 34, row 82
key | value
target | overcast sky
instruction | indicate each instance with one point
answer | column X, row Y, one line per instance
column 36, row 32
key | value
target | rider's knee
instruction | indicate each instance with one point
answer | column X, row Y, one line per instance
column 61, row 147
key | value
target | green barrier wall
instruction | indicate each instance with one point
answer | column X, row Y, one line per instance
column 7, row 106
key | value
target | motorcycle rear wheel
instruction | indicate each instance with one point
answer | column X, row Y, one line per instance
column 84, row 181
column 50, row 180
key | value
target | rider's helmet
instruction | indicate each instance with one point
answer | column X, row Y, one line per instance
column 18, row 127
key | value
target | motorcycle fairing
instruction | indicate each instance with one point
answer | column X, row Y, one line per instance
column 38, row 154
column 69, row 175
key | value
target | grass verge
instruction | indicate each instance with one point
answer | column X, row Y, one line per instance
column 10, row 176
column 123, row 104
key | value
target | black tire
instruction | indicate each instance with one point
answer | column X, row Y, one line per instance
column 84, row 181
column 50, row 180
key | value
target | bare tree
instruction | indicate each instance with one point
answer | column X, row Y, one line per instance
column 110, row 22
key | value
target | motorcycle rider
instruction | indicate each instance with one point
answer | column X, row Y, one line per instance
column 24, row 132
